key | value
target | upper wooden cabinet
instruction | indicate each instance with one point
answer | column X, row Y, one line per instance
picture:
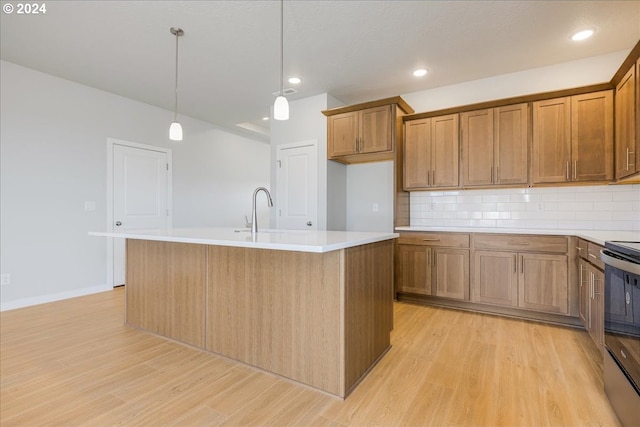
column 495, row 146
column 431, row 153
column 365, row 132
column 627, row 123
column 573, row 139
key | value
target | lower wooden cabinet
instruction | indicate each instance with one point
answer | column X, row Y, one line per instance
column 543, row 283
column 595, row 324
column 591, row 290
column 524, row 280
column 495, row 279
column 451, row 273
column 434, row 264
column 583, row 290
column 526, row 273
column 413, row 269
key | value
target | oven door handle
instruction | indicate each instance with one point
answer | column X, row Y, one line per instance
column 621, row 264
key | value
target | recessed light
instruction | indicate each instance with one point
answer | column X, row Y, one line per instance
column 583, row 34
column 420, row 72
column 265, row 118
column 294, row 80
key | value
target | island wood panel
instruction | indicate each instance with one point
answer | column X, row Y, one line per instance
column 368, row 306
column 165, row 289
column 279, row 311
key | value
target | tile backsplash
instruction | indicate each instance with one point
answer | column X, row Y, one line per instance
column 601, row 207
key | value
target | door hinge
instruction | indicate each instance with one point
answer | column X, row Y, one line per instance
column 279, row 163
column 167, row 166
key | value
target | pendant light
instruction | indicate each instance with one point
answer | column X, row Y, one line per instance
column 175, row 130
column 281, row 106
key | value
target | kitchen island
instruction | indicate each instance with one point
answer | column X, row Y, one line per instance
column 311, row 306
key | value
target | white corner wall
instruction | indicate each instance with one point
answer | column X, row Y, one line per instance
column 566, row 75
column 53, row 159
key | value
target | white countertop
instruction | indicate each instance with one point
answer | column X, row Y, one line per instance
column 595, row 236
column 283, row 240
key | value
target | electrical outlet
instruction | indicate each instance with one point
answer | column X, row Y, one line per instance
column 376, row 207
column 5, row 279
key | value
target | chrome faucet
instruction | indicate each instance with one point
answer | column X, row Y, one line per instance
column 254, row 215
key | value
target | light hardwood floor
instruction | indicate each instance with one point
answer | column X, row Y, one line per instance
column 74, row 363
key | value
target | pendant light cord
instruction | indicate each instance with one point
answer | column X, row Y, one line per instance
column 176, row 86
column 281, row 47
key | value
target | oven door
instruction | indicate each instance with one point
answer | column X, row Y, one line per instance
column 622, row 316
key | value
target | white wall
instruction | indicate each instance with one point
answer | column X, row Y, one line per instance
column 566, row 75
column 53, row 159
column 369, row 184
column 306, row 122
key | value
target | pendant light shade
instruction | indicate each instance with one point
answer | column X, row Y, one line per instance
column 281, row 106
column 175, row 130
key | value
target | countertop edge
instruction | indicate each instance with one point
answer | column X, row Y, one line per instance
column 595, row 236
column 282, row 246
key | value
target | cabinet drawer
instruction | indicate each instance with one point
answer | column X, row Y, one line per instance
column 583, row 249
column 521, row 243
column 594, row 255
column 450, row 240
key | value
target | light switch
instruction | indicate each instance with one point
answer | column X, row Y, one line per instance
column 89, row 206
column 376, row 208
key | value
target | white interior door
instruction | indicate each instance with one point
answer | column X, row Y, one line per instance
column 297, row 186
column 140, row 196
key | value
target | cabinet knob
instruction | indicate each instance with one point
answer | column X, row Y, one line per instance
column 118, row 223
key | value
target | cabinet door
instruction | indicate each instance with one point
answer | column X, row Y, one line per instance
column 543, row 283
column 596, row 306
column 477, row 148
column 444, row 151
column 414, row 269
column 451, row 275
column 551, row 140
column 626, row 117
column 583, row 290
column 495, row 278
column 342, row 134
column 511, row 147
column 417, row 158
column 375, row 129
column 592, row 136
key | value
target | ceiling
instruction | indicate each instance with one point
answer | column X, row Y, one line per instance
column 354, row 50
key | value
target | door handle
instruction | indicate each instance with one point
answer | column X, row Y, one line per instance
column 118, row 223
column 309, row 223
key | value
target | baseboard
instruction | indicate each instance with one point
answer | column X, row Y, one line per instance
column 43, row 299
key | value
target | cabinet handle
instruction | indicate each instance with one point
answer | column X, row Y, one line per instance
column 593, row 256
column 497, row 174
column 567, row 174
column 515, row 263
column 430, row 240
column 433, row 180
column 356, row 144
column 492, row 174
column 581, row 268
column 578, row 248
column 628, row 152
column 522, row 263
